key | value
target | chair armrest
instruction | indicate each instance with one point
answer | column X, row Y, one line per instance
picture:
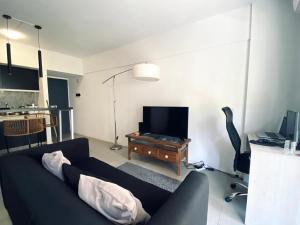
column 187, row 205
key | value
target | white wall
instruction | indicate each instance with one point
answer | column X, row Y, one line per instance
column 274, row 66
column 294, row 90
column 25, row 55
column 294, row 96
column 202, row 67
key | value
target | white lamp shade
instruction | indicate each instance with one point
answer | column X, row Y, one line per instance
column 147, row 72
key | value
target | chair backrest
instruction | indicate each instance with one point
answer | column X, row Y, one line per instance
column 50, row 119
column 53, row 120
column 15, row 127
column 36, row 125
column 23, row 127
column 233, row 134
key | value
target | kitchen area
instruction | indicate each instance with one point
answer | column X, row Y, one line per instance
column 38, row 86
column 23, row 123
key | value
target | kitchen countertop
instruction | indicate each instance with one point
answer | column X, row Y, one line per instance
column 12, row 117
column 5, row 114
column 34, row 109
column 17, row 117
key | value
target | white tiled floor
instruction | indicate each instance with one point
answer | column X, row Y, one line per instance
column 4, row 217
column 219, row 212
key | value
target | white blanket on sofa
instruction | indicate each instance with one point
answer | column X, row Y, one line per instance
column 114, row 202
column 53, row 162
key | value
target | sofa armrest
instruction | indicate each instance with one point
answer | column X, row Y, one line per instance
column 75, row 150
column 187, row 205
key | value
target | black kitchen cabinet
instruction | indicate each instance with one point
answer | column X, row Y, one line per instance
column 21, row 78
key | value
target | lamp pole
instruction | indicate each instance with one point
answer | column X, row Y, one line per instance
column 115, row 146
column 148, row 72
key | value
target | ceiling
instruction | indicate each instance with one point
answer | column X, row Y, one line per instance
column 85, row 27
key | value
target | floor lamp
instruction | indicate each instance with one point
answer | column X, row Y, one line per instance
column 142, row 71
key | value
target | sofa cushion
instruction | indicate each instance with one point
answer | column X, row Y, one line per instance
column 74, row 150
column 151, row 197
column 43, row 198
column 72, row 175
column 114, row 202
column 96, row 193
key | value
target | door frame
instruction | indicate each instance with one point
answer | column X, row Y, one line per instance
column 61, row 78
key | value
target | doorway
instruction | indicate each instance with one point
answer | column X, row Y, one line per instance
column 58, row 90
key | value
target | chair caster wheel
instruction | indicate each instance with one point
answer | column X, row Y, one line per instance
column 228, row 199
column 233, row 186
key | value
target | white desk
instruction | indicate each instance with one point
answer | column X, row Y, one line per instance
column 274, row 187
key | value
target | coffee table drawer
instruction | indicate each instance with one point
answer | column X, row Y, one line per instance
column 136, row 148
column 150, row 151
column 169, row 156
column 143, row 149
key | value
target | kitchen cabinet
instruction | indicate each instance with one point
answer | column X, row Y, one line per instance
column 21, row 78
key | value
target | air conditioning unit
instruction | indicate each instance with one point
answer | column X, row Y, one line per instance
column 296, row 5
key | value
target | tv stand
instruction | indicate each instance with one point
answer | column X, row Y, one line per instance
column 164, row 148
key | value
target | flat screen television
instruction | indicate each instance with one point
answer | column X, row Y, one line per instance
column 170, row 121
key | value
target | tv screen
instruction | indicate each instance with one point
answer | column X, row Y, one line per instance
column 170, row 121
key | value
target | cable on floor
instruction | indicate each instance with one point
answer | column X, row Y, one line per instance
column 200, row 166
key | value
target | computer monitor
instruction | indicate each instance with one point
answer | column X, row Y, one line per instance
column 292, row 125
column 282, row 129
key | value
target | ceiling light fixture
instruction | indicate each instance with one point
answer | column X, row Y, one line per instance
column 39, row 51
column 8, row 50
column 11, row 34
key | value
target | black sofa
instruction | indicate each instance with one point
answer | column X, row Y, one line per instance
column 32, row 195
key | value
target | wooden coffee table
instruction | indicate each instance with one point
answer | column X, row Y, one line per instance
column 163, row 150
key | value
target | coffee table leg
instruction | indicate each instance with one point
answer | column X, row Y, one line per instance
column 187, row 156
column 129, row 154
column 179, row 167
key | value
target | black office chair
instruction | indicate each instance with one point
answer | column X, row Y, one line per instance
column 241, row 160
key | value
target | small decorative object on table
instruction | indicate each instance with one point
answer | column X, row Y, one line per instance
column 160, row 147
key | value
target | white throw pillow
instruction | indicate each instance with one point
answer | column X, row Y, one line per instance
column 114, row 202
column 53, row 162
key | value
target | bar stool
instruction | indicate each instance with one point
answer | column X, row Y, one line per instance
column 14, row 128
column 36, row 116
column 51, row 123
column 22, row 127
column 36, row 126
